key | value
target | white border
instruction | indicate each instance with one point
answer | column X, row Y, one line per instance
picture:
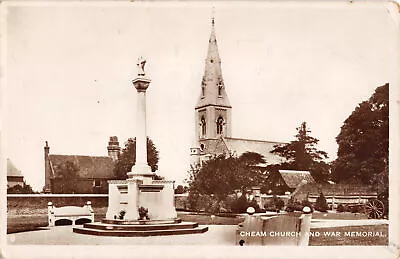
column 391, row 251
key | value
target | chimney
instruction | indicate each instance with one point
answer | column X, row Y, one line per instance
column 47, row 169
column 113, row 148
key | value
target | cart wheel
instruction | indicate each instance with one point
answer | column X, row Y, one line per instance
column 374, row 209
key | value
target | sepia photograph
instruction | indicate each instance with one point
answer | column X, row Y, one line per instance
column 172, row 126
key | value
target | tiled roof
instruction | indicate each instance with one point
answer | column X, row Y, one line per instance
column 12, row 170
column 89, row 166
column 337, row 189
column 239, row 146
column 294, row 178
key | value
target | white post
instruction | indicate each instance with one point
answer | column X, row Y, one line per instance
column 305, row 226
column 50, row 212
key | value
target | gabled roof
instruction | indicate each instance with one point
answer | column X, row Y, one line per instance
column 12, row 170
column 239, row 146
column 89, row 166
column 294, row 178
column 337, row 189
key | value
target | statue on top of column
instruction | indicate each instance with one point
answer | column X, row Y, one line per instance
column 141, row 63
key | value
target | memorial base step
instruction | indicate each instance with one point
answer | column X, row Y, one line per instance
column 123, row 229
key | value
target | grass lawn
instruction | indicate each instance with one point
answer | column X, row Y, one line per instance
column 19, row 223
column 343, row 240
column 337, row 215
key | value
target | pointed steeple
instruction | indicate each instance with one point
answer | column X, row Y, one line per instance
column 212, row 85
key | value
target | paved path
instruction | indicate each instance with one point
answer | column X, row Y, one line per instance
column 216, row 235
column 63, row 235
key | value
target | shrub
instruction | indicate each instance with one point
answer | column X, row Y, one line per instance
column 143, row 213
column 355, row 209
column 294, row 205
column 193, row 199
column 278, row 202
column 269, row 205
column 308, row 204
column 321, row 204
column 240, row 205
column 200, row 202
column 341, row 208
column 290, row 205
column 274, row 204
column 253, row 203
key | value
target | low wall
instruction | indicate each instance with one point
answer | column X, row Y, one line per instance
column 34, row 202
column 37, row 203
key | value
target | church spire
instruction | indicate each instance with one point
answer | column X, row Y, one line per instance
column 212, row 85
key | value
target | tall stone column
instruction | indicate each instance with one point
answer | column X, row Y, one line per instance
column 141, row 83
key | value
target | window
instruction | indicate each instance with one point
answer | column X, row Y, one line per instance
column 220, row 125
column 203, row 87
column 203, row 126
column 220, row 85
column 97, row 183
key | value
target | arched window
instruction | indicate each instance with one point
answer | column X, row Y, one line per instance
column 220, row 85
column 220, row 125
column 203, row 126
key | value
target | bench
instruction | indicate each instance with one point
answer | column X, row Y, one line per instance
column 71, row 213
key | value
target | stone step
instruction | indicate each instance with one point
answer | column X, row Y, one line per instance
column 103, row 226
column 121, row 233
column 140, row 222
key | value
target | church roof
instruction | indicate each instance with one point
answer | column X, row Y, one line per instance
column 12, row 170
column 239, row 146
column 294, row 178
column 89, row 166
column 212, row 78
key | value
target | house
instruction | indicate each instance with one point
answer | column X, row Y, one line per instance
column 14, row 175
column 93, row 171
column 282, row 181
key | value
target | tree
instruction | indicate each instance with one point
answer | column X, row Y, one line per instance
column 363, row 142
column 67, row 177
column 18, row 189
column 127, row 158
column 180, row 189
column 321, row 204
column 221, row 175
column 302, row 154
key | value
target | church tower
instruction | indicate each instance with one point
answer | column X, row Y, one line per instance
column 213, row 110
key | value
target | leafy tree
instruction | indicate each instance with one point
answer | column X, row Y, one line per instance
column 221, row 175
column 302, row 154
column 18, row 189
column 180, row 189
column 127, row 158
column 67, row 177
column 363, row 142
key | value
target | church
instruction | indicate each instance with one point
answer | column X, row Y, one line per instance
column 213, row 117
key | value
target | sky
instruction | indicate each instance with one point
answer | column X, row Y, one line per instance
column 68, row 72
